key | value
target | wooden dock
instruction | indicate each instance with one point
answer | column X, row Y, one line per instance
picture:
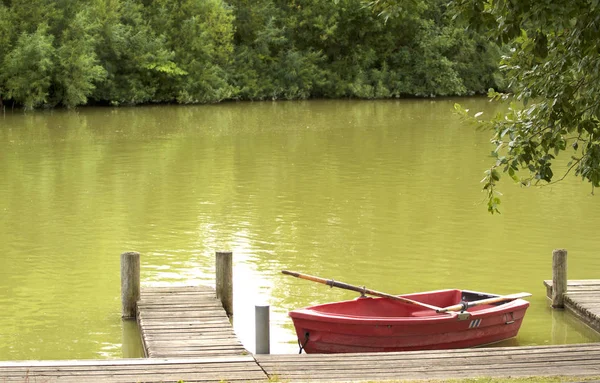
column 569, row 360
column 582, row 298
column 187, row 336
column 222, row 369
column 185, row 322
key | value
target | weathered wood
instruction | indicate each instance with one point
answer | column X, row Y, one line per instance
column 582, row 299
column 572, row 360
column 182, row 315
column 150, row 376
column 230, row 369
column 591, row 349
column 179, row 290
column 196, row 326
column 199, row 324
column 130, row 283
column 567, row 360
column 127, row 368
column 224, row 280
column 366, row 364
column 559, row 277
column 109, row 363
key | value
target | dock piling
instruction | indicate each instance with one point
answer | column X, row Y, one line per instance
column 224, row 280
column 261, row 325
column 559, row 277
column 130, row 284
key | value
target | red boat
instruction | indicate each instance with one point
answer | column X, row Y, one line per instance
column 384, row 324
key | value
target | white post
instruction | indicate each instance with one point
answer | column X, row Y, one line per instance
column 261, row 315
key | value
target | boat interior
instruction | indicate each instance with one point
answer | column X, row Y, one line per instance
column 385, row 307
column 444, row 298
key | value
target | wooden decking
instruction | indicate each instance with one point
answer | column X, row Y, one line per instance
column 570, row 360
column 185, row 322
column 582, row 299
column 221, row 369
column 188, row 337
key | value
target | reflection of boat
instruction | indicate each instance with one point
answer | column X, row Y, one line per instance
column 384, row 324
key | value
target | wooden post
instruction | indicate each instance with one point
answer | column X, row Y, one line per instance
column 559, row 277
column 261, row 327
column 224, row 280
column 130, row 283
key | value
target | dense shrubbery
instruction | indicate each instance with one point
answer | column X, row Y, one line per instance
column 60, row 52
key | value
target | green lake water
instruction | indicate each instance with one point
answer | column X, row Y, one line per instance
column 378, row 193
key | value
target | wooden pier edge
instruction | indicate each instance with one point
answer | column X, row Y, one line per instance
column 582, row 300
column 581, row 360
column 579, row 297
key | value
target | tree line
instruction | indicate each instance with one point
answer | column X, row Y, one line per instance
column 127, row 52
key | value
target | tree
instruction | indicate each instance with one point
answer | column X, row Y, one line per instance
column 553, row 66
column 77, row 67
column 135, row 58
column 200, row 33
column 5, row 40
column 125, row 52
column 28, row 67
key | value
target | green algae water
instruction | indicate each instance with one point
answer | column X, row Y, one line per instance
column 384, row 194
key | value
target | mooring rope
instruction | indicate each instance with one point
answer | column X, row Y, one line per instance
column 306, row 335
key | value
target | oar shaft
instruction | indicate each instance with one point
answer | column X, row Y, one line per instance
column 487, row 301
column 328, row 282
column 362, row 290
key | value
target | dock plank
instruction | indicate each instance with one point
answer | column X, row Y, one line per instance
column 572, row 360
column 194, row 314
column 220, row 369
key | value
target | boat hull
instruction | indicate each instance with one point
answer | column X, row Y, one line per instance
column 383, row 325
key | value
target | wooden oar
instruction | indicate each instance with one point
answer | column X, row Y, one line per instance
column 466, row 305
column 362, row 290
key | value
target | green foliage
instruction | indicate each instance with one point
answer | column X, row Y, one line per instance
column 133, row 55
column 27, row 68
column 348, row 51
column 198, row 51
column 77, row 64
column 553, row 69
column 200, row 33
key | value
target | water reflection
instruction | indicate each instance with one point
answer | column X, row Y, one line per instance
column 131, row 342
